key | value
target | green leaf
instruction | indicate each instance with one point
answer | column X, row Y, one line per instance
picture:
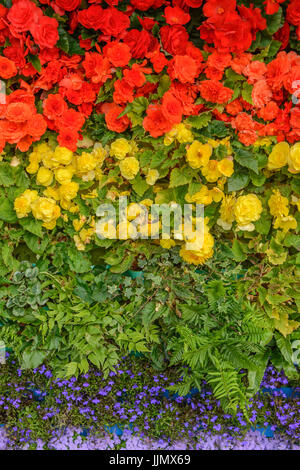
column 36, row 244
column 239, row 250
column 7, row 212
column 6, row 174
column 139, row 185
column 200, row 121
column 217, row 129
column 263, row 224
column 233, row 76
column 274, row 21
column 78, row 261
column 295, row 185
column 292, row 240
column 246, row 159
column 74, row 47
column 124, row 265
column 35, row 61
column 32, row 359
column 71, row 369
column 157, row 159
column 164, row 85
column 7, row 255
column 32, row 225
column 139, row 105
column 258, row 180
column 63, row 42
column 238, row 181
column 247, row 92
column 178, row 178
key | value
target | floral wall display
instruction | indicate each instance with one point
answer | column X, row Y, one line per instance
column 168, row 103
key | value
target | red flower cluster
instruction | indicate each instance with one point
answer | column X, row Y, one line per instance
column 25, row 16
column 119, row 58
column 228, row 29
column 20, row 124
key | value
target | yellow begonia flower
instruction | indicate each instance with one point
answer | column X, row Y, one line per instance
column 285, row 223
column 211, row 171
column 53, row 193
column 79, row 223
column 227, row 212
column 279, row 156
column 23, row 203
column 120, row 148
column 32, row 168
column 198, row 154
column 294, row 158
column 184, row 135
column 44, row 176
column 47, row 210
column 62, row 156
column 225, row 167
column 247, row 209
column 86, row 162
column 167, row 243
column 199, row 256
column 151, row 177
column 129, row 167
column 204, row 196
column 133, row 211
column 106, row 230
column 64, row 175
column 278, row 204
column 86, row 234
column 67, row 192
column 78, row 243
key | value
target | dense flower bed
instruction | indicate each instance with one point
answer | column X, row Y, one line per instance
column 163, row 102
column 128, row 409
